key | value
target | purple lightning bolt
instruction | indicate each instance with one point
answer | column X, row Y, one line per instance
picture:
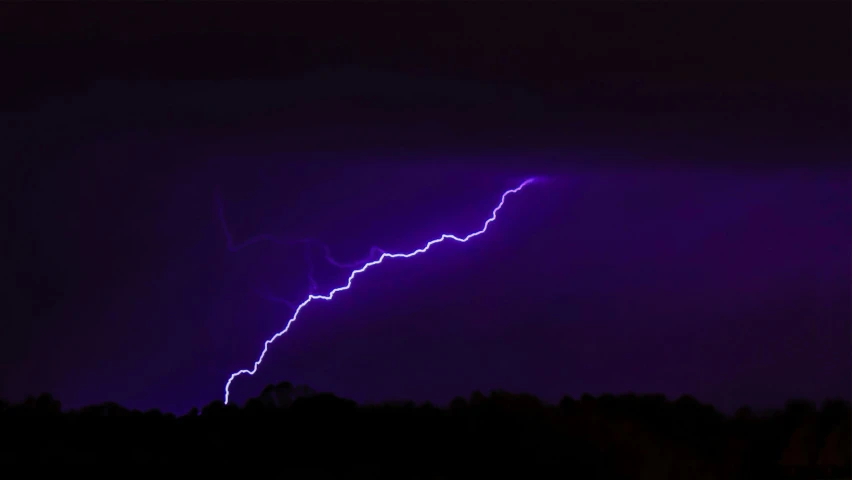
column 355, row 273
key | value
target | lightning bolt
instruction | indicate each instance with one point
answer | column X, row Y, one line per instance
column 312, row 297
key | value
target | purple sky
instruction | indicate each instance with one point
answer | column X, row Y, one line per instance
column 732, row 286
column 693, row 235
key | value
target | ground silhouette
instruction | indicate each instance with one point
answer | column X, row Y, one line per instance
column 625, row 436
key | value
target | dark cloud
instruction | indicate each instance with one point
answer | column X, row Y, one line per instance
column 692, row 235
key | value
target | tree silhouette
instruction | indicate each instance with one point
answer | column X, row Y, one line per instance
column 610, row 436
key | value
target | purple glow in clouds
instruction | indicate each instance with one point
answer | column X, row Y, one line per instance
column 352, row 276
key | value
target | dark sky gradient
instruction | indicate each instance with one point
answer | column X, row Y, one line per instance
column 693, row 234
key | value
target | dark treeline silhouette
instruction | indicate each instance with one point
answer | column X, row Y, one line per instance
column 626, row 436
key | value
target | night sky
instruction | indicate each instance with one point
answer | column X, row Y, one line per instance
column 691, row 234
